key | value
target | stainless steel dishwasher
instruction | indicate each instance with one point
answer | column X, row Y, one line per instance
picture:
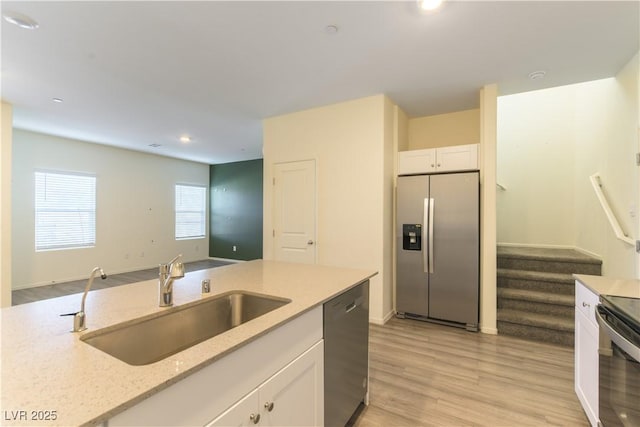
column 346, row 354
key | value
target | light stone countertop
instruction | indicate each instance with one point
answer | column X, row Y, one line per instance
column 610, row 286
column 45, row 367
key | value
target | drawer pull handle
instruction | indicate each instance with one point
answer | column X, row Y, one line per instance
column 269, row 406
column 584, row 304
column 255, row 418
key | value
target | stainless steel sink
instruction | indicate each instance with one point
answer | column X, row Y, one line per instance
column 152, row 338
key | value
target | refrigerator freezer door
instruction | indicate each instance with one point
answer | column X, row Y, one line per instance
column 411, row 276
column 454, row 282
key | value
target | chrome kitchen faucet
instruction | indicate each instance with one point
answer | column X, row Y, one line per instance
column 170, row 271
column 79, row 318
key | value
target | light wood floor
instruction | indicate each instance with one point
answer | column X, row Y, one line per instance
column 23, row 296
column 424, row 374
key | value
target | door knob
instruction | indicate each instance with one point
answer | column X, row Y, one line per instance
column 268, row 406
column 255, row 418
column 310, row 242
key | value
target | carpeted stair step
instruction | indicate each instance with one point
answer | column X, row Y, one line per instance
column 548, row 260
column 535, row 326
column 537, row 302
column 558, row 283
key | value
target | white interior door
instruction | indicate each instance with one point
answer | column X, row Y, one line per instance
column 294, row 213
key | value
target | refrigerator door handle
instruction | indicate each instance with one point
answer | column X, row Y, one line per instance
column 431, row 209
column 425, row 247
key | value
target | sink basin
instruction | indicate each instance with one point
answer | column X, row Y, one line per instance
column 153, row 338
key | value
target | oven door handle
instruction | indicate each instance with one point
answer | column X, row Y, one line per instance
column 618, row 339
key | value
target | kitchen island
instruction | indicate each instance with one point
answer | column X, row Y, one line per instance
column 51, row 377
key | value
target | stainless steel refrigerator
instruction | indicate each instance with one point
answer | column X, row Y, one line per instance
column 438, row 248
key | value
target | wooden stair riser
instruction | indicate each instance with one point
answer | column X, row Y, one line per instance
column 537, row 307
column 537, row 285
column 548, row 266
column 536, row 333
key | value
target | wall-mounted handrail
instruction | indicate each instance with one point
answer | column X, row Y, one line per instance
column 597, row 187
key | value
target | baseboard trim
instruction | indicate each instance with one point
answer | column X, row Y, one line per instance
column 109, row 273
column 589, row 253
column 490, row 331
column 76, row 278
column 383, row 320
column 214, row 258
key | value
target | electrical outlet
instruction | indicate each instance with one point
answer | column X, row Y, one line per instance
column 234, row 248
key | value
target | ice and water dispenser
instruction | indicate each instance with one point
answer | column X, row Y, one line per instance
column 412, row 237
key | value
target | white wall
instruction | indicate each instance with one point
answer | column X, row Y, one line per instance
column 442, row 130
column 549, row 143
column 606, row 128
column 134, row 216
column 488, row 260
column 536, row 156
column 350, row 144
column 389, row 150
column 6, row 125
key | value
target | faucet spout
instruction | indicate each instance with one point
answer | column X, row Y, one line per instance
column 169, row 272
column 79, row 318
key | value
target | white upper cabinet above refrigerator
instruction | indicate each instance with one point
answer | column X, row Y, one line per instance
column 443, row 159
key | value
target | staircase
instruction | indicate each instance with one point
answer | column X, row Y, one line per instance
column 536, row 291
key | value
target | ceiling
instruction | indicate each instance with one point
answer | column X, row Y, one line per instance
column 132, row 74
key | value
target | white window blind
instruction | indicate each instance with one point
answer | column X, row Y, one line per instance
column 65, row 211
column 191, row 216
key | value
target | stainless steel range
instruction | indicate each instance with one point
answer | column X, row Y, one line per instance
column 619, row 361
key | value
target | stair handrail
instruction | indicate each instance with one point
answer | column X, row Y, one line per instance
column 597, row 187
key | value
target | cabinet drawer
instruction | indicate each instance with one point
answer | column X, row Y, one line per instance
column 586, row 302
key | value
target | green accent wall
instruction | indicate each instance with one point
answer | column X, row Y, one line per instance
column 236, row 210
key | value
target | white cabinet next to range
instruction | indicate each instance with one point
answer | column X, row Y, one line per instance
column 586, row 351
column 443, row 159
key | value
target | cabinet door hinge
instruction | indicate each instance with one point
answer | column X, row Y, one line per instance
column 274, row 233
column 638, row 246
column 274, row 181
column 638, row 159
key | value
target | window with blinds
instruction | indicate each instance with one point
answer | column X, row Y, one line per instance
column 65, row 211
column 191, row 215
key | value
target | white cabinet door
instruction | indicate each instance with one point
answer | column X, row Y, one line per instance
column 457, row 158
column 586, row 353
column 295, row 395
column 443, row 159
column 244, row 413
column 416, row 161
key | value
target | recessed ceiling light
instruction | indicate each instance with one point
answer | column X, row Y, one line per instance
column 429, row 4
column 537, row 75
column 185, row 138
column 22, row 21
column 331, row 29
column 58, row 100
